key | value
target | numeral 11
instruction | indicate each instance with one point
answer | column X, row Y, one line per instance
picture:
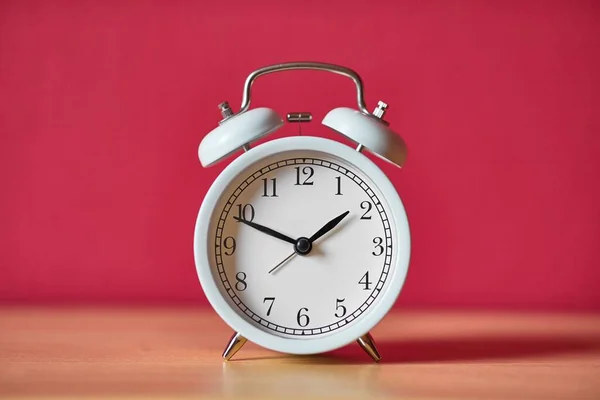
column 273, row 190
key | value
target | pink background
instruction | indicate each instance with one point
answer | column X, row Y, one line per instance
column 103, row 105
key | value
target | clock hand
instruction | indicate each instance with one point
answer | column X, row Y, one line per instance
column 328, row 226
column 266, row 230
column 281, row 263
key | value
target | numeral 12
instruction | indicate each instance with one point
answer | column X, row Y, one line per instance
column 305, row 171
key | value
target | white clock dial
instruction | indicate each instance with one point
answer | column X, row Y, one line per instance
column 317, row 291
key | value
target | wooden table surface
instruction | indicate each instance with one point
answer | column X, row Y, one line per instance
column 176, row 354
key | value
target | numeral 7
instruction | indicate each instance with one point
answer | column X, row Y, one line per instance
column 272, row 300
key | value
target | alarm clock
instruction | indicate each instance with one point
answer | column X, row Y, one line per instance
column 302, row 243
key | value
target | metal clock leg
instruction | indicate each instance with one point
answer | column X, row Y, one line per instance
column 235, row 343
column 368, row 344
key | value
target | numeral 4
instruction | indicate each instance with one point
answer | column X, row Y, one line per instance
column 365, row 281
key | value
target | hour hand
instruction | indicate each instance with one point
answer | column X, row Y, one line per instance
column 328, row 226
column 266, row 230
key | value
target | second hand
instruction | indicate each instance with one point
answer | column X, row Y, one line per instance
column 283, row 262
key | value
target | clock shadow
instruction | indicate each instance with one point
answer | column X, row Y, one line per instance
column 276, row 377
column 463, row 349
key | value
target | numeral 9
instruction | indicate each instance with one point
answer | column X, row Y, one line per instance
column 229, row 244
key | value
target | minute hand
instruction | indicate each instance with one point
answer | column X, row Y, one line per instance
column 328, row 226
column 266, row 230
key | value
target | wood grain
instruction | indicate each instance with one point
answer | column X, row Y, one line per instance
column 176, row 353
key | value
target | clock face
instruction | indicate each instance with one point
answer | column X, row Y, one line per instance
column 265, row 256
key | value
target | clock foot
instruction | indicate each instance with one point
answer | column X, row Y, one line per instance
column 368, row 345
column 235, row 343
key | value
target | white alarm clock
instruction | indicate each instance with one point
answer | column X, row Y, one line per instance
column 302, row 244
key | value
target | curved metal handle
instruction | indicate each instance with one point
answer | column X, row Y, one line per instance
column 336, row 69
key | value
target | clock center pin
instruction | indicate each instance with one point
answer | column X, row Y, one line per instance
column 303, row 246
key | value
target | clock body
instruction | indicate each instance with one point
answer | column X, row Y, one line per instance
column 266, row 290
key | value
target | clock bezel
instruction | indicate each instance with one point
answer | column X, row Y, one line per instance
column 290, row 344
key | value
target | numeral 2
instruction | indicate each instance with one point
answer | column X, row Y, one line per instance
column 365, row 205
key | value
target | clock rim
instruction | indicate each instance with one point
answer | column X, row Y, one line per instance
column 293, row 345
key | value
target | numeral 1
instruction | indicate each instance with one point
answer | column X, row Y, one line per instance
column 339, row 185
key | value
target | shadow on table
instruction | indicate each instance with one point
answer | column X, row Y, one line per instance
column 465, row 349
